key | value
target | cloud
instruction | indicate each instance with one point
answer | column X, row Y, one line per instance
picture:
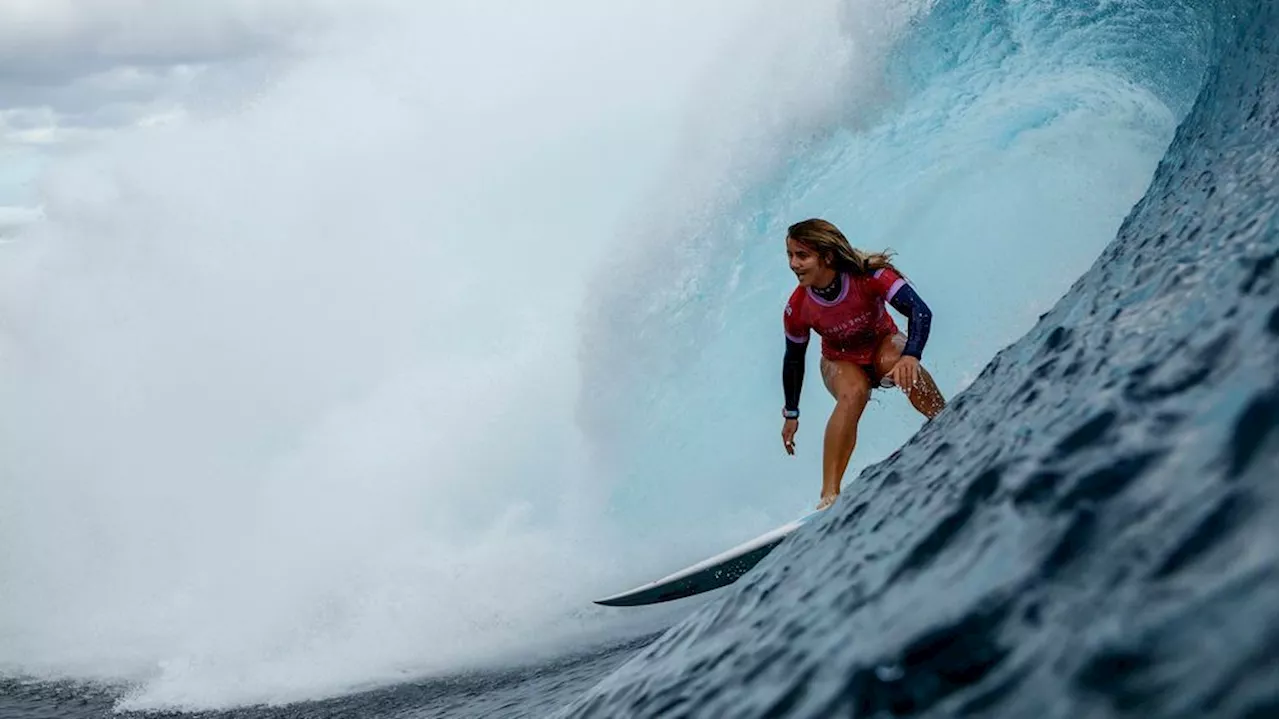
column 115, row 97
column 13, row 217
column 69, row 69
column 52, row 42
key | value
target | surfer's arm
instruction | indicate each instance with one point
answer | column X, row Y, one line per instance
column 796, row 330
column 793, row 374
column 919, row 317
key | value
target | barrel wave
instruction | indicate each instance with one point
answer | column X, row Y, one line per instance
column 413, row 513
column 1088, row 529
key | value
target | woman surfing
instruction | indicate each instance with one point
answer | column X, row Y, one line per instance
column 842, row 295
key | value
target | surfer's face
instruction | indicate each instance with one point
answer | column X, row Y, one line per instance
column 806, row 263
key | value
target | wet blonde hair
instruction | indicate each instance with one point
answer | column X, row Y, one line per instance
column 829, row 243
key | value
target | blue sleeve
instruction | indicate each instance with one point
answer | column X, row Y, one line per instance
column 919, row 317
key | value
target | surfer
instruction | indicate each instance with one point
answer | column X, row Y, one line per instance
column 842, row 295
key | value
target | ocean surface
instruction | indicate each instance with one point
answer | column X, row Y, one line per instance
column 1086, row 193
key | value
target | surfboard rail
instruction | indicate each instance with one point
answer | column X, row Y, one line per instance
column 711, row 573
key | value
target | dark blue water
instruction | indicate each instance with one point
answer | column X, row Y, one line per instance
column 1088, row 530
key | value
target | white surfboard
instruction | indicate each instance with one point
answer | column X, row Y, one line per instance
column 723, row 569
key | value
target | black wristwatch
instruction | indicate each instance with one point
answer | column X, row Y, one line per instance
column 790, row 413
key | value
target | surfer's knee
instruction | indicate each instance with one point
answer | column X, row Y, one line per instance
column 854, row 394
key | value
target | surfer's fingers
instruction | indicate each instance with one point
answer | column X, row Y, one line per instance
column 906, row 374
column 900, row 376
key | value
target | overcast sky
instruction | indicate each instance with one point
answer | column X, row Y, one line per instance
column 71, row 70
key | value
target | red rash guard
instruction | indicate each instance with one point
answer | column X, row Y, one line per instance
column 852, row 325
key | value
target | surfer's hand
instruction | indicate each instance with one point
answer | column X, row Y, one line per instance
column 906, row 372
column 789, row 428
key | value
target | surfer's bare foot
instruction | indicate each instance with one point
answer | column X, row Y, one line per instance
column 827, row 500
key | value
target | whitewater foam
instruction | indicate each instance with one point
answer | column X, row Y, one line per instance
column 292, row 383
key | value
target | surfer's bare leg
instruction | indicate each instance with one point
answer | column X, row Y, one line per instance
column 851, row 387
column 925, row 395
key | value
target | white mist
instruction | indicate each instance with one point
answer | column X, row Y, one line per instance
column 290, row 387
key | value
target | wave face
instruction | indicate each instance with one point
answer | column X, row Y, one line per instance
column 1089, row 529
